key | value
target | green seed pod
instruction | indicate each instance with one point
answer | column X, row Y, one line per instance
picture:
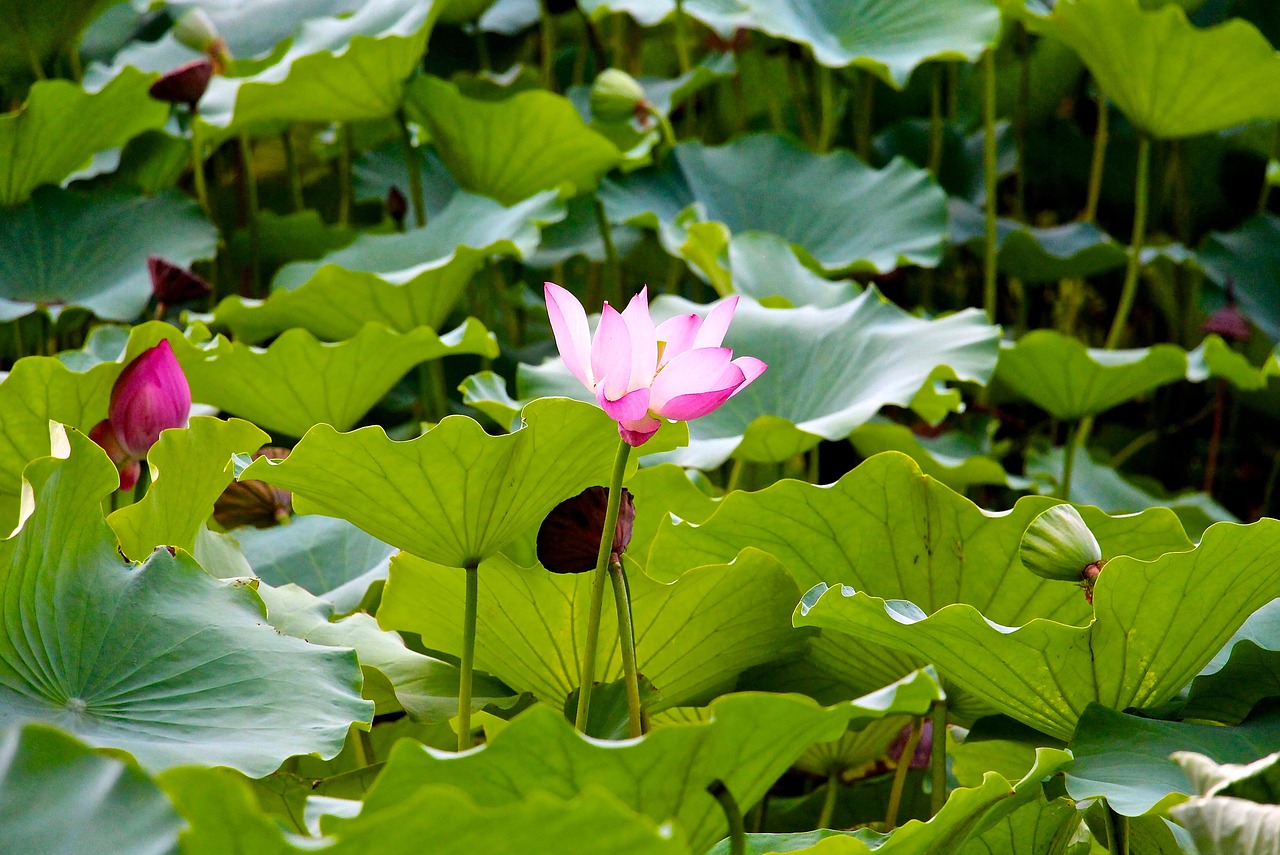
column 1058, row 545
column 615, row 96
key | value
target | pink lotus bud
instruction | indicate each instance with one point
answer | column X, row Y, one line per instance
column 130, row 469
column 173, row 284
column 1229, row 322
column 150, row 395
column 185, row 84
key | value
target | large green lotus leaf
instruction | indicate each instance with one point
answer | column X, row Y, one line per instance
column 843, row 214
column 379, row 169
column 1248, row 258
column 285, row 238
column 958, row 458
column 1245, row 670
column 764, row 266
column 693, row 636
column 511, row 148
column 579, row 234
column 455, row 495
column 340, row 69
column 61, row 126
column 830, row 370
column 1127, row 759
column 1149, row 635
column 329, row 557
column 890, row 41
column 223, row 813
column 1171, row 78
column 395, row 677
column 888, row 529
column 1215, row 358
column 855, row 751
column 161, row 660
column 403, row 280
column 90, row 249
column 966, row 814
column 660, row 492
column 749, row 740
column 1040, row 827
column 1230, row 826
column 1257, row 781
column 190, row 469
column 1068, row 380
column 59, row 797
column 38, row 33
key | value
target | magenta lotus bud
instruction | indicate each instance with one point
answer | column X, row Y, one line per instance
column 185, row 84
column 569, row 538
column 149, row 396
column 173, row 284
column 397, row 205
column 924, row 748
column 1229, row 322
column 129, row 469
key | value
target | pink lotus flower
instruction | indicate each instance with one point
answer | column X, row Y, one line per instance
column 149, row 396
column 640, row 373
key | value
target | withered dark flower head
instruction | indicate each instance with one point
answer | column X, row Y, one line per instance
column 173, row 284
column 569, row 537
column 185, row 84
column 254, row 502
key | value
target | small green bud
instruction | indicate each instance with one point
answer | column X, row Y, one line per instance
column 1058, row 545
column 197, row 31
column 615, row 96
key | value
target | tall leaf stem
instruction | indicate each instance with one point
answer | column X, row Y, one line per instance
column 291, row 167
column 613, row 268
column 468, row 656
column 597, row 584
column 414, row 166
column 1101, row 135
column 732, row 813
column 990, row 167
column 249, row 176
column 627, row 637
column 829, row 799
column 345, row 191
column 938, row 757
column 900, row 775
column 197, row 166
column 935, row 120
column 1134, row 267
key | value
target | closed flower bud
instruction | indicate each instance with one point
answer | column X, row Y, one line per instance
column 173, row 284
column 569, row 538
column 1229, row 322
column 129, row 468
column 254, row 502
column 197, row 31
column 150, row 395
column 616, row 96
column 1058, row 545
column 185, row 84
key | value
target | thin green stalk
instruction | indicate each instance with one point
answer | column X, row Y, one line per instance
column 863, row 115
column 938, row 758
column 667, row 133
column 345, row 192
column 1134, row 267
column 295, row 176
column 829, row 799
column 468, row 656
column 735, row 474
column 1117, row 831
column 1215, row 437
column 597, row 584
column 814, row 469
column 613, row 269
column 365, row 751
column 935, row 121
column 681, row 38
column 1021, row 121
column 250, row 181
column 547, row 46
column 1100, row 137
column 826, row 107
column 732, row 813
column 1264, row 195
column 197, row 166
column 900, row 775
column 989, row 171
column 433, row 400
column 627, row 636
column 1079, row 435
column 414, row 167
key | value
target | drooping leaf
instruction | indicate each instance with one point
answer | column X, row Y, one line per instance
column 160, row 660
column 693, row 636
column 1228, row 826
column 1245, row 671
column 1148, row 637
column 59, row 797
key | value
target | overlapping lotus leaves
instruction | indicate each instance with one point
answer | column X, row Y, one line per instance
column 1224, row 826
column 88, row 802
column 1060, row 375
column 1215, row 358
column 338, row 69
column 889, row 530
column 830, row 370
column 395, row 677
column 403, row 281
column 764, row 266
column 1258, row 780
column 1035, row 828
column 90, row 249
column 960, row 459
column 37, row 34
column 748, row 741
column 223, row 813
column 61, row 125
column 888, row 41
column 1248, row 259
column 693, row 635
column 1244, row 672
column 660, row 492
column 284, row 238
column 1171, row 78
column 842, row 213
column 1150, row 633
column 160, row 660
column 855, row 750
column 191, row 466
column 455, row 495
column 1127, row 759
column 512, row 148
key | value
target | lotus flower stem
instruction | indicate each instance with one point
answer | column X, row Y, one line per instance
column 938, row 758
column 1134, row 267
column 733, row 813
column 935, row 120
column 597, row 584
column 249, row 177
column 627, row 636
column 863, row 114
column 345, row 147
column 1100, row 137
column 547, row 45
column 414, row 166
column 826, row 107
column 1117, row 831
column 1079, row 436
column 197, row 166
column 990, row 168
column 468, row 656
column 829, row 800
column 613, row 269
column 900, row 774
column 681, row 27
column 291, row 167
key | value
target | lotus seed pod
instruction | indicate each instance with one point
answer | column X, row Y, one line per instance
column 615, row 96
column 1058, row 545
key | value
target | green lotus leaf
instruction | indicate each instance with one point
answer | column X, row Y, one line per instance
column 889, row 42
column 512, row 148
column 455, row 495
column 646, row 13
column 579, row 234
column 1169, row 77
column 1229, row 826
column 1258, row 781
column 764, row 266
column 384, row 166
column 1127, row 759
column 285, row 238
column 338, row 69
column 329, row 557
column 693, row 636
column 90, row 249
column 749, row 740
column 402, row 281
column 223, row 813
column 1038, row 827
column 1215, row 358
column 843, row 214
column 1247, row 257
column 87, row 802
column 1148, row 637
column 1244, row 671
column 1068, row 380
column 888, row 529
column 129, row 657
column 958, row 458
column 38, row 34
column 395, row 678
column 190, row 469
column 870, row 353
column 660, row 492
column 855, row 751
column 61, row 126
